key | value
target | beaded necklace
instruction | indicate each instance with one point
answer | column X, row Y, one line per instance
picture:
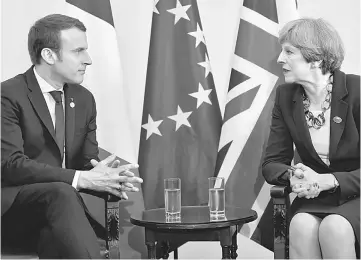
column 319, row 121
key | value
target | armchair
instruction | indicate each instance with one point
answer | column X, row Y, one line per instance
column 110, row 219
column 281, row 220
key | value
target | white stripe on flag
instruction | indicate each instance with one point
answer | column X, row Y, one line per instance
column 260, row 21
column 259, row 206
column 287, row 11
column 105, row 80
column 246, row 120
column 242, row 88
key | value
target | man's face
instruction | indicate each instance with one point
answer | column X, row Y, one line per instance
column 71, row 65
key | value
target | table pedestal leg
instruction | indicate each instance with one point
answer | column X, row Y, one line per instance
column 234, row 254
column 226, row 242
column 225, row 252
column 150, row 242
column 234, row 246
column 151, row 250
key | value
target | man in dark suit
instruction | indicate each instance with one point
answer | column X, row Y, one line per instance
column 49, row 150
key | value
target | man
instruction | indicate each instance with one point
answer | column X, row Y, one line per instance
column 49, row 150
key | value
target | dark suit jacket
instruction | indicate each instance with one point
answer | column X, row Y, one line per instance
column 289, row 126
column 29, row 152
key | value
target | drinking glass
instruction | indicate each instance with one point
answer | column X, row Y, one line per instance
column 172, row 197
column 217, row 199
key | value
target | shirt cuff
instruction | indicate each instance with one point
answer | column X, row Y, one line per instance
column 75, row 180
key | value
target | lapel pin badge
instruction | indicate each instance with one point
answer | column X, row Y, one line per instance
column 337, row 119
column 72, row 104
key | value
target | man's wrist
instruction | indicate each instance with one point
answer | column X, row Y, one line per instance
column 81, row 183
column 75, row 180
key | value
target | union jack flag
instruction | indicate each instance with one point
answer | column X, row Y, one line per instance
column 253, row 80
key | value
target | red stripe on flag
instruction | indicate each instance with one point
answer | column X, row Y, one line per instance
column 240, row 104
column 268, row 10
column 259, row 47
column 236, row 78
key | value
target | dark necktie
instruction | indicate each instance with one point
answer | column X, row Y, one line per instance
column 59, row 121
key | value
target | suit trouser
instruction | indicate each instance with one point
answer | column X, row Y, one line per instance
column 50, row 218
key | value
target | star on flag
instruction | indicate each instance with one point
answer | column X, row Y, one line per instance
column 181, row 118
column 152, row 126
column 207, row 65
column 198, row 35
column 202, row 95
column 180, row 12
column 155, row 10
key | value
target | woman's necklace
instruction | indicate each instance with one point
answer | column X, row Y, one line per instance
column 319, row 121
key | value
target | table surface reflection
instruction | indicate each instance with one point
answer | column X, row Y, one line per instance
column 193, row 217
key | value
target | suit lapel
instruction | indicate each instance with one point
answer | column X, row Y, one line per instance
column 338, row 111
column 37, row 100
column 69, row 120
column 299, row 119
column 301, row 124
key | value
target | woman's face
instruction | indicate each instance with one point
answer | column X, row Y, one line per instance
column 295, row 67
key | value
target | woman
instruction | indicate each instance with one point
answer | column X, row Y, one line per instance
column 317, row 110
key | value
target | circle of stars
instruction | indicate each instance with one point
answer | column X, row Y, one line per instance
column 202, row 95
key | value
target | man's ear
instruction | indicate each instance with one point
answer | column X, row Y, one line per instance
column 48, row 56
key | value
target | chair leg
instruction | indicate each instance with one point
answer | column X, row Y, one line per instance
column 165, row 249
column 281, row 215
column 112, row 226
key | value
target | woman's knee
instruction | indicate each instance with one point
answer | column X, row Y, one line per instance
column 304, row 225
column 336, row 228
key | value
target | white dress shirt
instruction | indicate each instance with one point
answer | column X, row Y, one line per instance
column 46, row 88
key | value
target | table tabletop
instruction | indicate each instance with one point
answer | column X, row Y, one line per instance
column 192, row 217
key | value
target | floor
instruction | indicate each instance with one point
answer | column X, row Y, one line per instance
column 247, row 249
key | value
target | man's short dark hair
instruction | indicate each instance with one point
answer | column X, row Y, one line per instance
column 45, row 33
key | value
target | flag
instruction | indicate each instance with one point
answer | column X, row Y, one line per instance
column 250, row 98
column 181, row 120
column 104, row 79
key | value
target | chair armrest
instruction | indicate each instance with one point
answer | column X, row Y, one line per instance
column 112, row 245
column 281, row 217
column 104, row 195
column 280, row 191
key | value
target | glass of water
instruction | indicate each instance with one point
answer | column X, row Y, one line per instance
column 217, row 198
column 172, row 197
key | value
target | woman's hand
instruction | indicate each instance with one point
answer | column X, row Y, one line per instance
column 307, row 190
column 305, row 181
column 305, row 171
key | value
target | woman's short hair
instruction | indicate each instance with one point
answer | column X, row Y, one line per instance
column 45, row 33
column 317, row 40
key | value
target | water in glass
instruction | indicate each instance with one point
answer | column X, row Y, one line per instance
column 217, row 201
